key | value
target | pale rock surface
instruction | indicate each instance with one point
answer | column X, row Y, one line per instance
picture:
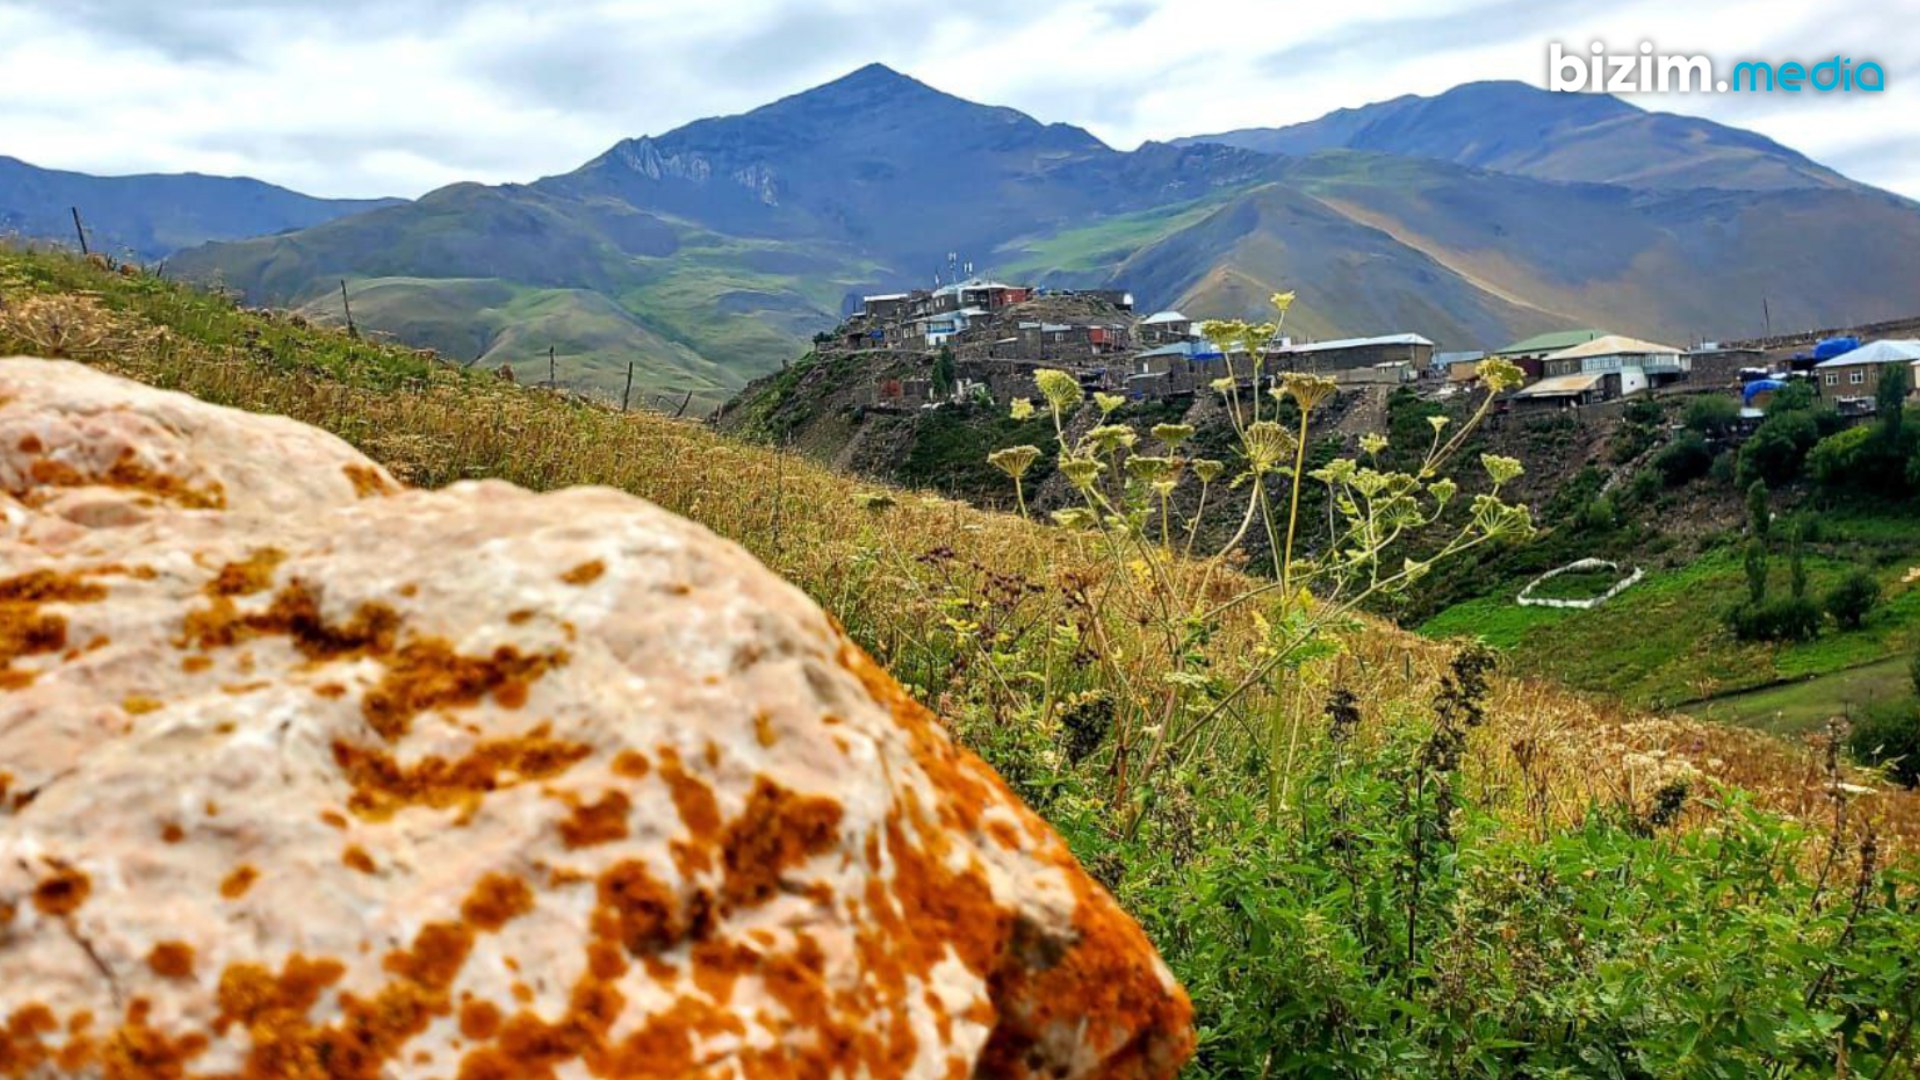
column 306, row 775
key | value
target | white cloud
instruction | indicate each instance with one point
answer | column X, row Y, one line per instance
column 367, row 97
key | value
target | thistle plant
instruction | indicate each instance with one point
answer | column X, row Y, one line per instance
column 1179, row 703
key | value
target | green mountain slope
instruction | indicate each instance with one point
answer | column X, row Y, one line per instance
column 1515, row 128
column 721, row 247
column 155, row 215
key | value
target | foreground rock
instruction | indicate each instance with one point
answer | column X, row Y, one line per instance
column 304, row 775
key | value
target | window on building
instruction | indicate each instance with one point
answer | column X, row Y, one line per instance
column 1832, row 379
column 1856, row 377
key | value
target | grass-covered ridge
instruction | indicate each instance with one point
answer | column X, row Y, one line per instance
column 1471, row 874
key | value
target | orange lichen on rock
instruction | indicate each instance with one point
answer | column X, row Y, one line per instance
column 496, row 899
column 25, row 630
column 171, row 960
column 235, row 885
column 777, row 831
column 699, row 812
column 248, row 576
column 601, row 821
column 586, row 573
column 382, row 785
column 428, row 674
column 62, row 892
column 368, row 482
column 356, row 858
column 128, row 473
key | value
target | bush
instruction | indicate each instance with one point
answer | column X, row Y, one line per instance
column 1889, row 736
column 1851, row 600
column 1791, row 619
column 1836, row 461
column 1713, row 415
column 1779, row 447
column 1685, row 458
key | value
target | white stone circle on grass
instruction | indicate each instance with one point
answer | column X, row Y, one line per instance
column 1527, row 599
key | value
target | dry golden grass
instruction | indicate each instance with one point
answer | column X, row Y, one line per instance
column 1544, row 753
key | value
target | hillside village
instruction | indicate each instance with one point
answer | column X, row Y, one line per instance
column 980, row 340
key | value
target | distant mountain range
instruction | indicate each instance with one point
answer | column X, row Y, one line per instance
column 709, row 254
column 155, row 215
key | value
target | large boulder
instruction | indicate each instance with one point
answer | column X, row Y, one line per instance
column 304, row 774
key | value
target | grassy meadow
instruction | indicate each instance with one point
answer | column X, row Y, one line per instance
column 1393, row 858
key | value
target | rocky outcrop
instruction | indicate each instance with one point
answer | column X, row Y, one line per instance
column 303, row 774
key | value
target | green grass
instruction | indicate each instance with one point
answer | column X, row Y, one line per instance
column 1663, row 643
column 1806, row 704
column 1497, row 620
column 1100, row 246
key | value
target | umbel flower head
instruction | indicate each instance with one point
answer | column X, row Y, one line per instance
column 1267, row 444
column 1107, row 438
column 1108, row 402
column 1081, row 472
column 1149, row 470
column 1022, row 408
column 1014, row 460
column 1308, row 391
column 1173, row 434
column 1499, row 374
column 1061, row 390
column 1208, row 470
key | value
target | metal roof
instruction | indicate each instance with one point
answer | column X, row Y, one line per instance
column 1562, row 385
column 1614, row 345
column 1890, row 351
column 1159, row 317
column 1550, row 342
column 1360, row 342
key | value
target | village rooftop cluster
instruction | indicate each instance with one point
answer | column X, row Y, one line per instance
column 980, row 339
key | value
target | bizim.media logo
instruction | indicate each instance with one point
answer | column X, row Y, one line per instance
column 1650, row 72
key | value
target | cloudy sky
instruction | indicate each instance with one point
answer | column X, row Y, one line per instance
column 396, row 97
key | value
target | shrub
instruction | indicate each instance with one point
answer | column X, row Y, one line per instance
column 1779, row 446
column 1712, row 415
column 1836, row 461
column 1685, row 458
column 1790, row 619
column 1889, row 736
column 1851, row 600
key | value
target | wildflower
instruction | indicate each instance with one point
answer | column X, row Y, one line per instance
column 1077, row 517
column 1108, row 402
column 1308, row 390
column 1061, row 390
column 1499, row 374
column 1208, row 470
column 1225, row 333
column 873, row 500
column 1502, row 469
column 1107, row 438
column 1439, row 423
column 1173, row 434
column 1222, row 385
column 1023, row 408
column 1283, row 300
column 1443, row 490
column 1267, row 445
column 1373, row 442
column 1014, row 460
column 1149, row 470
column 1081, row 472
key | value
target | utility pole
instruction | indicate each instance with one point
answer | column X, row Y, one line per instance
column 80, row 230
column 347, row 305
column 553, row 380
column 1766, row 310
column 627, row 394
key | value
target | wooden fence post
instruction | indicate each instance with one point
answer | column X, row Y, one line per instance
column 627, row 394
column 80, row 230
